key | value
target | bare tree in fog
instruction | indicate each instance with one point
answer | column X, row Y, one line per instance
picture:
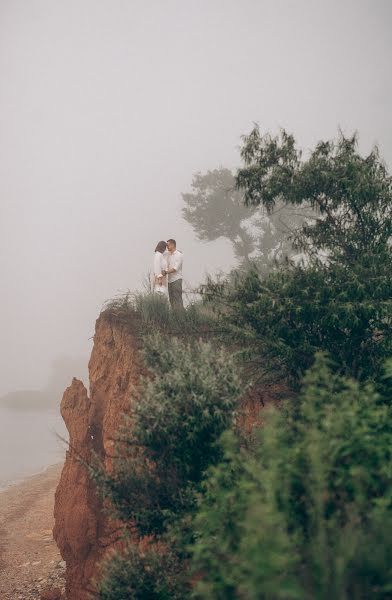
column 215, row 208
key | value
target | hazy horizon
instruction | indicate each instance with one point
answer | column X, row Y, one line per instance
column 108, row 109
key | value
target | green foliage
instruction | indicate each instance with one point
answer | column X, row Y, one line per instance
column 191, row 402
column 340, row 299
column 135, row 574
column 152, row 309
column 171, row 438
column 351, row 194
column 282, row 319
column 308, row 515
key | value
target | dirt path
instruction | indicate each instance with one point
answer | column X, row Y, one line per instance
column 29, row 558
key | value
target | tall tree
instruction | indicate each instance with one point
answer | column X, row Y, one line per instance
column 215, row 208
column 340, row 300
column 350, row 194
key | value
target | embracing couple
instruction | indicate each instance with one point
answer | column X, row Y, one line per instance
column 168, row 270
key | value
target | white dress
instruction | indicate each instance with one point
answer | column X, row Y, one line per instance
column 160, row 264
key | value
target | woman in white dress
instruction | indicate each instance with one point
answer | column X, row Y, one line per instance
column 160, row 265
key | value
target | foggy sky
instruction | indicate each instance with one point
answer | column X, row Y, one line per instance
column 107, row 108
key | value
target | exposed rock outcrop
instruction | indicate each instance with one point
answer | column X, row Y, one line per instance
column 82, row 531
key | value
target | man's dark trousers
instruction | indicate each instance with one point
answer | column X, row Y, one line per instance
column 175, row 294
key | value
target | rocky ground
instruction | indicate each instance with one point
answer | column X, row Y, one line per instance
column 30, row 564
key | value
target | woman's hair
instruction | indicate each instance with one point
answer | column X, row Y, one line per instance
column 161, row 247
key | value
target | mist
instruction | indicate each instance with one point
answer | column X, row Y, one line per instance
column 107, row 109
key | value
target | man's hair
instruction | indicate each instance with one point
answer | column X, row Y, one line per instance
column 161, row 247
column 172, row 241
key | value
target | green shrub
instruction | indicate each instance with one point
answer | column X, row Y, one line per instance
column 281, row 320
column 172, row 436
column 309, row 514
column 136, row 574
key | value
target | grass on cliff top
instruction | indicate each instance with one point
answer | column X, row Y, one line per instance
column 150, row 312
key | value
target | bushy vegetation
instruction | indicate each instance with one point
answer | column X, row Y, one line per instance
column 304, row 511
column 147, row 574
column 308, row 513
column 282, row 319
column 164, row 449
column 171, row 438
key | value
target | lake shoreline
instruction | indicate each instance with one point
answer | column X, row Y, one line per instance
column 29, row 442
column 21, row 479
column 29, row 557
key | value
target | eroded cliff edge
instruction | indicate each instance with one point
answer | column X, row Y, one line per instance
column 82, row 531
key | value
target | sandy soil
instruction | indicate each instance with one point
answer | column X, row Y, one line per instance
column 29, row 558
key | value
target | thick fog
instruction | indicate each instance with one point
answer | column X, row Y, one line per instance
column 107, row 109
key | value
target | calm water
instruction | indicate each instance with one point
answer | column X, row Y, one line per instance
column 28, row 443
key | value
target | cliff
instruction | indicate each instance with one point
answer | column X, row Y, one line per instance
column 82, row 531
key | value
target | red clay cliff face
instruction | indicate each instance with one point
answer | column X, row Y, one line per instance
column 82, row 531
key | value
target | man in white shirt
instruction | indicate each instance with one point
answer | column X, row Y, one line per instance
column 174, row 273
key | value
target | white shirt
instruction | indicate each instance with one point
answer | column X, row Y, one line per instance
column 175, row 262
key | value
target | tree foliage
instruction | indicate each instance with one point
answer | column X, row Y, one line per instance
column 351, row 194
column 280, row 320
column 340, row 299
